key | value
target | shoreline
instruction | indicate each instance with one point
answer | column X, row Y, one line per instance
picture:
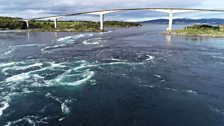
column 63, row 30
column 174, row 33
column 215, row 31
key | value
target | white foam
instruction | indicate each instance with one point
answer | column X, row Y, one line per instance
column 72, row 38
column 191, row 92
column 94, row 41
column 54, row 65
column 157, row 75
column 122, row 62
column 150, row 86
column 61, row 119
column 45, row 49
column 19, row 66
column 7, row 64
column 114, row 59
column 162, row 81
column 26, row 66
column 4, row 105
column 49, row 95
column 183, row 91
column 218, row 57
column 171, row 89
column 34, row 65
column 82, row 66
column 64, row 108
column 65, row 41
column 87, row 75
column 216, row 110
column 26, row 91
column 18, row 78
column 8, row 124
column 8, row 52
column 86, row 42
column 29, row 119
column 150, row 57
column 64, row 38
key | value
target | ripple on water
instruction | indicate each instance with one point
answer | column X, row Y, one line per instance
column 64, row 41
column 21, row 78
column 188, row 91
column 11, row 49
column 69, row 75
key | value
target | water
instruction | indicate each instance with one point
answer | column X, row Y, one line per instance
column 124, row 77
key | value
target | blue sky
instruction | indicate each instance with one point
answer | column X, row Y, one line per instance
column 37, row 8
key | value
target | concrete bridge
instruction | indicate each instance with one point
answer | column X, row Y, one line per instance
column 102, row 13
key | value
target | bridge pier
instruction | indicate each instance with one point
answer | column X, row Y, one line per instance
column 27, row 24
column 55, row 22
column 102, row 22
column 170, row 27
column 102, row 13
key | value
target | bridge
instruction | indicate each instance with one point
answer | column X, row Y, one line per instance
column 102, row 13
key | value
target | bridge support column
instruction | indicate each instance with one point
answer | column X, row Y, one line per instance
column 102, row 22
column 170, row 21
column 27, row 24
column 55, row 22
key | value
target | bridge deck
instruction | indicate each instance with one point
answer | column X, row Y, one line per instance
column 130, row 9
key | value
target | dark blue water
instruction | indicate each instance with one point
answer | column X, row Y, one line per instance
column 123, row 77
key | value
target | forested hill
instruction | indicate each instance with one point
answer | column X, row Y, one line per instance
column 11, row 23
column 8, row 23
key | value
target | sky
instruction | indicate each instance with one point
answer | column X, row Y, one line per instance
column 39, row 8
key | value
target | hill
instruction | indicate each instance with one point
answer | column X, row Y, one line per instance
column 213, row 21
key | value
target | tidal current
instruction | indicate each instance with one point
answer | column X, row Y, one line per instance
column 122, row 77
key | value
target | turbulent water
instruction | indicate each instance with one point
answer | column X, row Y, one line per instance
column 123, row 77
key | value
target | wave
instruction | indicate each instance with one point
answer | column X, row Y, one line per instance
column 64, row 104
column 93, row 41
column 68, row 78
column 64, row 38
column 11, row 49
column 69, row 75
column 18, row 78
column 88, row 42
column 22, row 78
column 3, row 106
column 23, row 66
column 41, row 119
column 75, row 37
column 64, row 41
column 7, row 64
